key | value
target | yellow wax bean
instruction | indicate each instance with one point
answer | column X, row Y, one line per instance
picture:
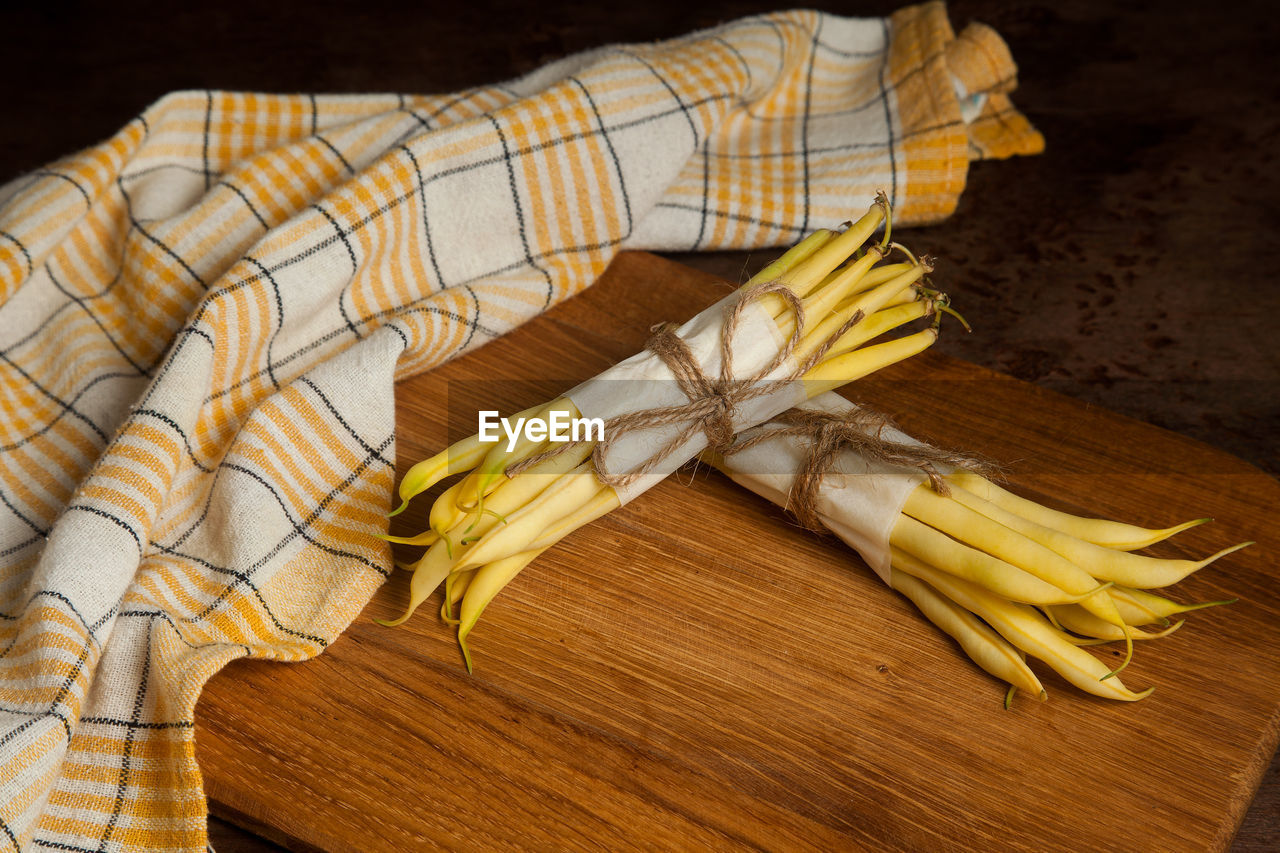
column 793, row 256
column 1111, row 534
column 487, row 582
column 882, row 273
column 514, row 493
column 458, row 457
column 839, row 286
column 498, row 459
column 867, row 303
column 1163, row 572
column 880, row 295
column 806, row 275
column 445, row 512
column 428, row 572
column 831, row 373
column 447, row 555
column 911, row 294
column 884, row 320
column 565, row 495
column 1122, row 567
column 984, row 646
column 604, row 502
column 778, row 270
column 440, row 559
column 1139, row 607
column 455, row 586
column 1074, row 618
column 938, row 549
column 979, row 531
column 424, row 539
column 1025, row 628
column 834, row 275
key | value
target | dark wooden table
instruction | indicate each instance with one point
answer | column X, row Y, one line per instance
column 1129, row 266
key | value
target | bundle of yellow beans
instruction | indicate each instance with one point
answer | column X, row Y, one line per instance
column 1003, row 575
column 804, row 325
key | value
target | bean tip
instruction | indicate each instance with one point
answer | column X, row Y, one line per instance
column 466, row 652
column 1224, row 552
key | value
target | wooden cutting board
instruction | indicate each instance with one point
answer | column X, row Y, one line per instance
column 695, row 672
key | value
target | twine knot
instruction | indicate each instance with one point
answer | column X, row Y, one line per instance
column 718, row 423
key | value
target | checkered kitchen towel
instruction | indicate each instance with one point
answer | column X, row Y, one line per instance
column 201, row 320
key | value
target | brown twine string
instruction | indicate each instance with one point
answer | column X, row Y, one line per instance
column 858, row 430
column 712, row 403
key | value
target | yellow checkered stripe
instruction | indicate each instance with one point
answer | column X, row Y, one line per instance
column 203, row 317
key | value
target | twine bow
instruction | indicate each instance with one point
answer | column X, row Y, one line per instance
column 712, row 402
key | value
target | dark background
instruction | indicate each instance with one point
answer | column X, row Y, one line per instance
column 1131, row 265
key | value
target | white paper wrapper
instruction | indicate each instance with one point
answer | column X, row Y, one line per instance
column 644, row 382
column 859, row 500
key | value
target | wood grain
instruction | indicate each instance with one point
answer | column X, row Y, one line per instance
column 693, row 671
